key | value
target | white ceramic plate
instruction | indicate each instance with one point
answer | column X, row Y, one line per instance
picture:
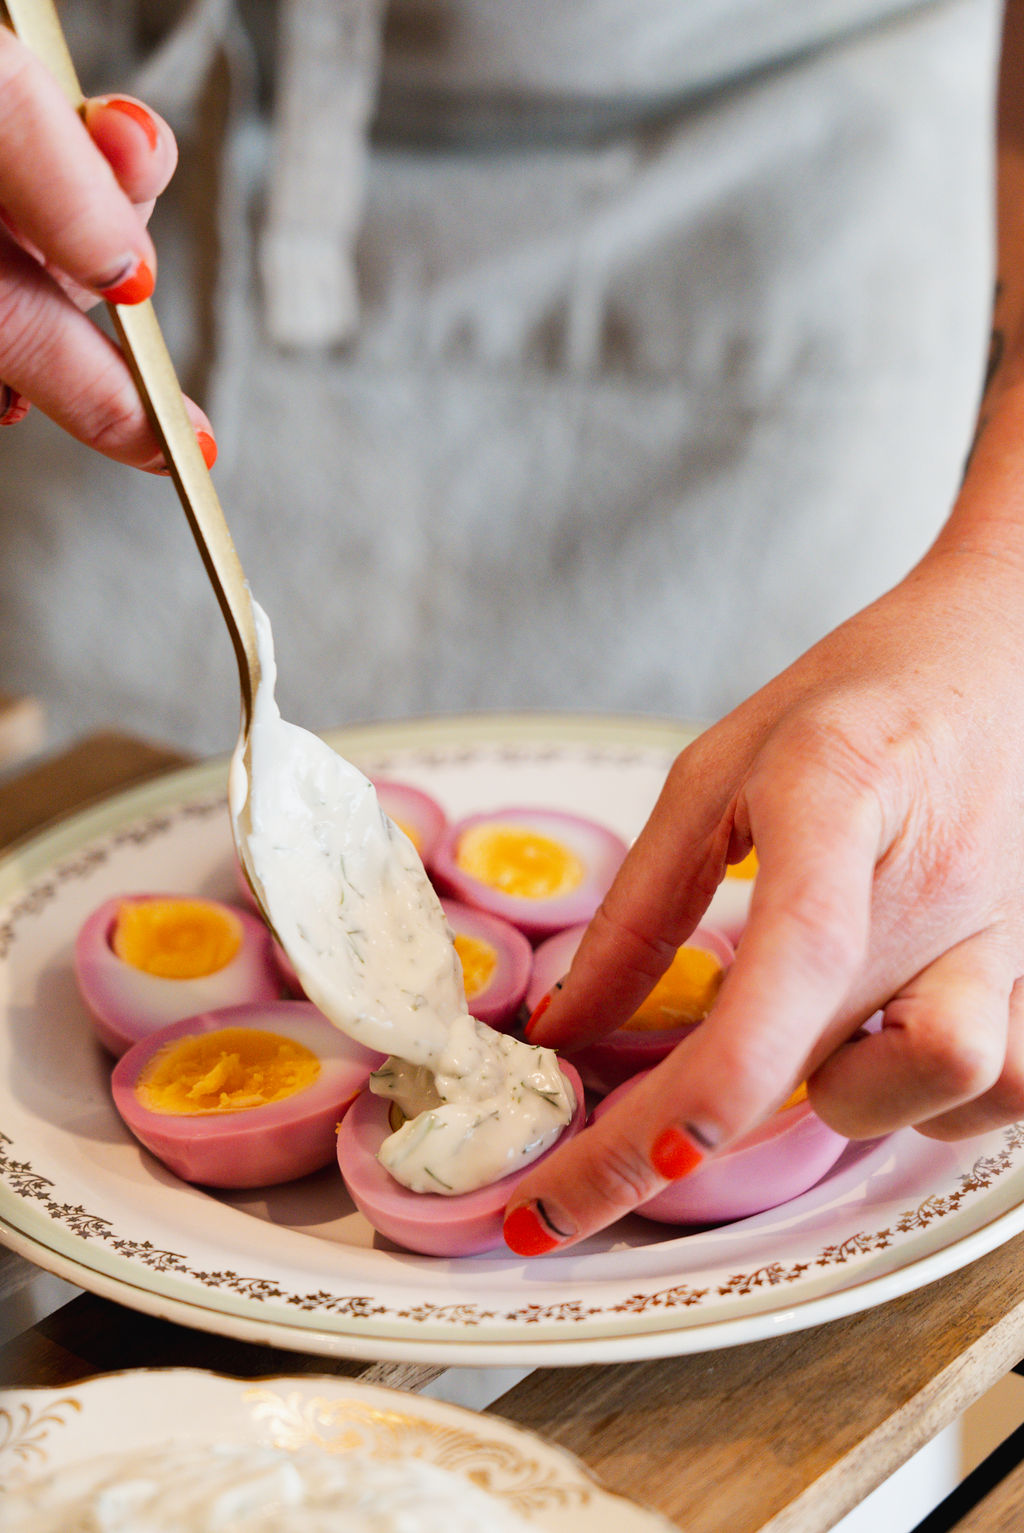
column 296, row 1266
column 43, row 1431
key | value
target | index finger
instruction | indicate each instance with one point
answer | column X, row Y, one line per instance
column 59, row 190
column 657, row 898
column 807, row 937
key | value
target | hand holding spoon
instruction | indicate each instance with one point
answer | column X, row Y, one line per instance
column 343, row 888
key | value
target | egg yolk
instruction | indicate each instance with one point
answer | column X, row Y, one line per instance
column 413, row 834
column 745, row 868
column 799, row 1095
column 176, row 939
column 519, row 861
column 479, row 961
column 683, row 994
column 226, row 1071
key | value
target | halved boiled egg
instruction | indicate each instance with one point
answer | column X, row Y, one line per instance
column 245, row 1096
column 730, row 903
column 432, row 1223
column 144, row 960
column 540, row 869
column 415, row 812
column 781, row 1158
column 681, row 999
column 496, row 962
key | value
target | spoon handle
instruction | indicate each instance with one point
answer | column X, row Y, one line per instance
column 38, row 25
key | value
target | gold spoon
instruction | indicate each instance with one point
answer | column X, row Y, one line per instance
column 38, row 25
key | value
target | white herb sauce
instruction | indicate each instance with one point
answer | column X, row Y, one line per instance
column 249, row 1488
column 350, row 901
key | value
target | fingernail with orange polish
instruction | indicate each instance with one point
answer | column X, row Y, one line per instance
column 529, row 1231
column 138, row 113
column 13, row 406
column 540, row 1008
column 536, row 1014
column 208, row 447
column 674, row 1154
column 132, row 284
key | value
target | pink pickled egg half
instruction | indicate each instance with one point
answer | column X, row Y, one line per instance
column 145, row 960
column 463, row 1225
column 679, row 1001
column 781, row 1158
column 496, row 962
column 415, row 812
column 540, row 869
column 246, row 1096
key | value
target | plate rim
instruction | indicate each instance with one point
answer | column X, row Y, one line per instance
column 211, row 1385
column 349, row 1336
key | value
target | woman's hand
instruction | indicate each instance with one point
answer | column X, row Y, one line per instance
column 75, row 197
column 881, row 779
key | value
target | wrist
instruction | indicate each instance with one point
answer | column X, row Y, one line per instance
column 987, row 519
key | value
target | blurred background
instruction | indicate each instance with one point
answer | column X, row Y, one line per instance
column 561, row 356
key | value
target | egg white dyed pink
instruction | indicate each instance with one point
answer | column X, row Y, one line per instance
column 498, row 1000
column 608, row 1061
column 255, row 1146
column 128, row 1003
column 590, row 855
column 777, row 1161
column 432, row 1224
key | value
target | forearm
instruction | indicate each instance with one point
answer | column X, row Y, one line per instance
column 987, row 518
column 989, row 512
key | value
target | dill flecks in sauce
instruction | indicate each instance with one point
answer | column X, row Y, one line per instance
column 351, row 903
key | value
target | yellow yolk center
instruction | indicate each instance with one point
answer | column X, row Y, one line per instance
column 412, row 832
column 479, row 961
column 745, row 868
column 519, row 861
column 227, row 1071
column 683, row 994
column 176, row 939
column 799, row 1095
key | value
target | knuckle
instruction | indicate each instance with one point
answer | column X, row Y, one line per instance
column 957, row 1065
column 636, row 954
column 824, row 929
column 1007, row 1096
column 617, row 1178
column 22, row 322
column 110, row 421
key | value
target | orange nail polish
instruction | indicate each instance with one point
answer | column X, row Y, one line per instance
column 525, row 1234
column 536, row 1014
column 208, row 447
column 134, row 286
column 674, row 1155
column 138, row 113
column 13, row 406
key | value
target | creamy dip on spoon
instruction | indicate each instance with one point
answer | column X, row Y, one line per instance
column 351, row 903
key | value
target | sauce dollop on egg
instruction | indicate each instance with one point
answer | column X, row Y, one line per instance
column 434, row 1224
